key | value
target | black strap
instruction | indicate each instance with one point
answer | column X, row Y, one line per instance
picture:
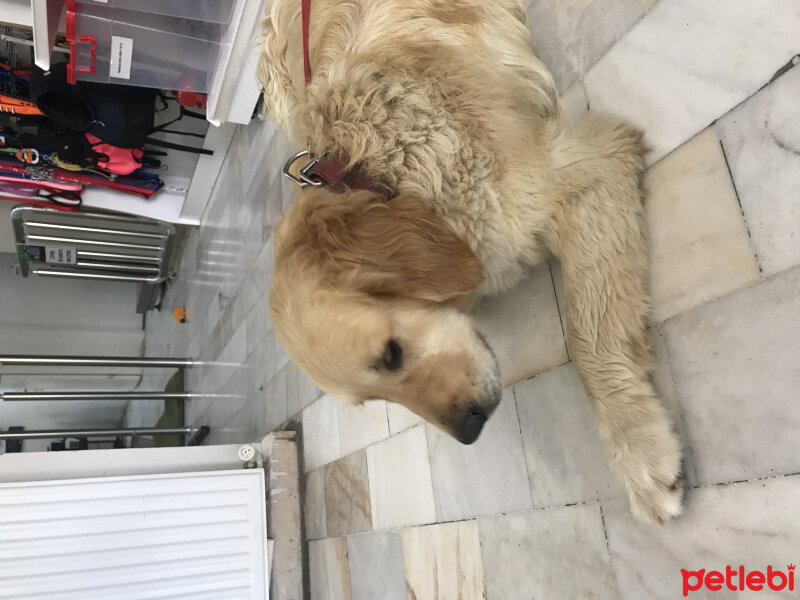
column 172, row 146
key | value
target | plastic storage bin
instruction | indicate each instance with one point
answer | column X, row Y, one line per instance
column 213, row 11
column 113, row 45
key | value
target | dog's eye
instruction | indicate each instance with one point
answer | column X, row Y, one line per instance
column 392, row 358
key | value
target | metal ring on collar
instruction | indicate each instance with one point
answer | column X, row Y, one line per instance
column 305, row 177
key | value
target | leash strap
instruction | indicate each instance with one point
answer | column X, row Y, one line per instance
column 306, row 14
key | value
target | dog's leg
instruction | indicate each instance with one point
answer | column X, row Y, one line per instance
column 603, row 253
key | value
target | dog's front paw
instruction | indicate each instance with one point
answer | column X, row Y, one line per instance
column 655, row 482
column 658, row 502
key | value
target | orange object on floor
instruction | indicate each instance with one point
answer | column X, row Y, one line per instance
column 180, row 314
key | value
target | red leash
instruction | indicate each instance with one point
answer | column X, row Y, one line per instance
column 306, row 13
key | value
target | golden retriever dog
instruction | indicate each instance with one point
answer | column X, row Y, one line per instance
column 443, row 105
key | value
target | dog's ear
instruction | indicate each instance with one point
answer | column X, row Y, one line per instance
column 394, row 248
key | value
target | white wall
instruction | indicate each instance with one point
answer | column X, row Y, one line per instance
column 16, row 12
column 63, row 316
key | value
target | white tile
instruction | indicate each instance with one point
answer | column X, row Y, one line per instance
column 699, row 247
column 376, row 566
column 553, row 553
column 486, row 477
column 314, row 505
column 762, row 143
column 443, row 562
column 571, row 36
column 735, row 368
column 565, row 457
column 400, row 418
column 400, row 487
column 329, row 570
column 523, row 327
column 752, row 524
column 362, row 424
column 321, row 432
column 688, row 63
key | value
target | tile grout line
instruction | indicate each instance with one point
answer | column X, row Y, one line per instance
column 522, row 440
column 739, row 202
column 561, row 321
column 595, row 501
column 748, row 286
column 608, row 548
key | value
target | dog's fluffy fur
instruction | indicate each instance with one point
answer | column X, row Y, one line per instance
column 445, row 102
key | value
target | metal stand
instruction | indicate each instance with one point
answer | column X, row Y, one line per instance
column 195, row 435
column 39, row 434
column 30, row 360
column 49, row 396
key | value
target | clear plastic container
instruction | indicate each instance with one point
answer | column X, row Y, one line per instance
column 212, row 11
column 113, row 45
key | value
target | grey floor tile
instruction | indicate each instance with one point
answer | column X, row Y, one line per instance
column 571, row 36
column 565, row 457
column 762, row 142
column 486, row 477
column 753, row 524
column 665, row 388
column 552, row 553
column 681, row 42
column 300, row 390
column 376, row 566
column 275, row 390
column 523, row 327
column 735, row 368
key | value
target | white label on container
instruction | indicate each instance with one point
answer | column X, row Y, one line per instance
column 60, row 255
column 121, row 52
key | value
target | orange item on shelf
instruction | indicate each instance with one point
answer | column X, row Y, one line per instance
column 17, row 106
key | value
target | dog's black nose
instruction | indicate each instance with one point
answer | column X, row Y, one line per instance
column 471, row 424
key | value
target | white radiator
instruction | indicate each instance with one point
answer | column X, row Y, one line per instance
column 187, row 535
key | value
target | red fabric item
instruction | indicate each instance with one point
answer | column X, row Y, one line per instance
column 306, row 14
column 40, row 203
column 332, row 172
column 121, row 184
column 122, row 161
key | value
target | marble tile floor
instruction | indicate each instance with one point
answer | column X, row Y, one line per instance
column 395, row 509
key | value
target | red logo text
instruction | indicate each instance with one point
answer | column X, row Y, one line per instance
column 738, row 579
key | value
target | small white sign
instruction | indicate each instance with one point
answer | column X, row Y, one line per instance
column 60, row 255
column 121, row 53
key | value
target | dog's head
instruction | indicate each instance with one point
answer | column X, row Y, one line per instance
column 368, row 297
